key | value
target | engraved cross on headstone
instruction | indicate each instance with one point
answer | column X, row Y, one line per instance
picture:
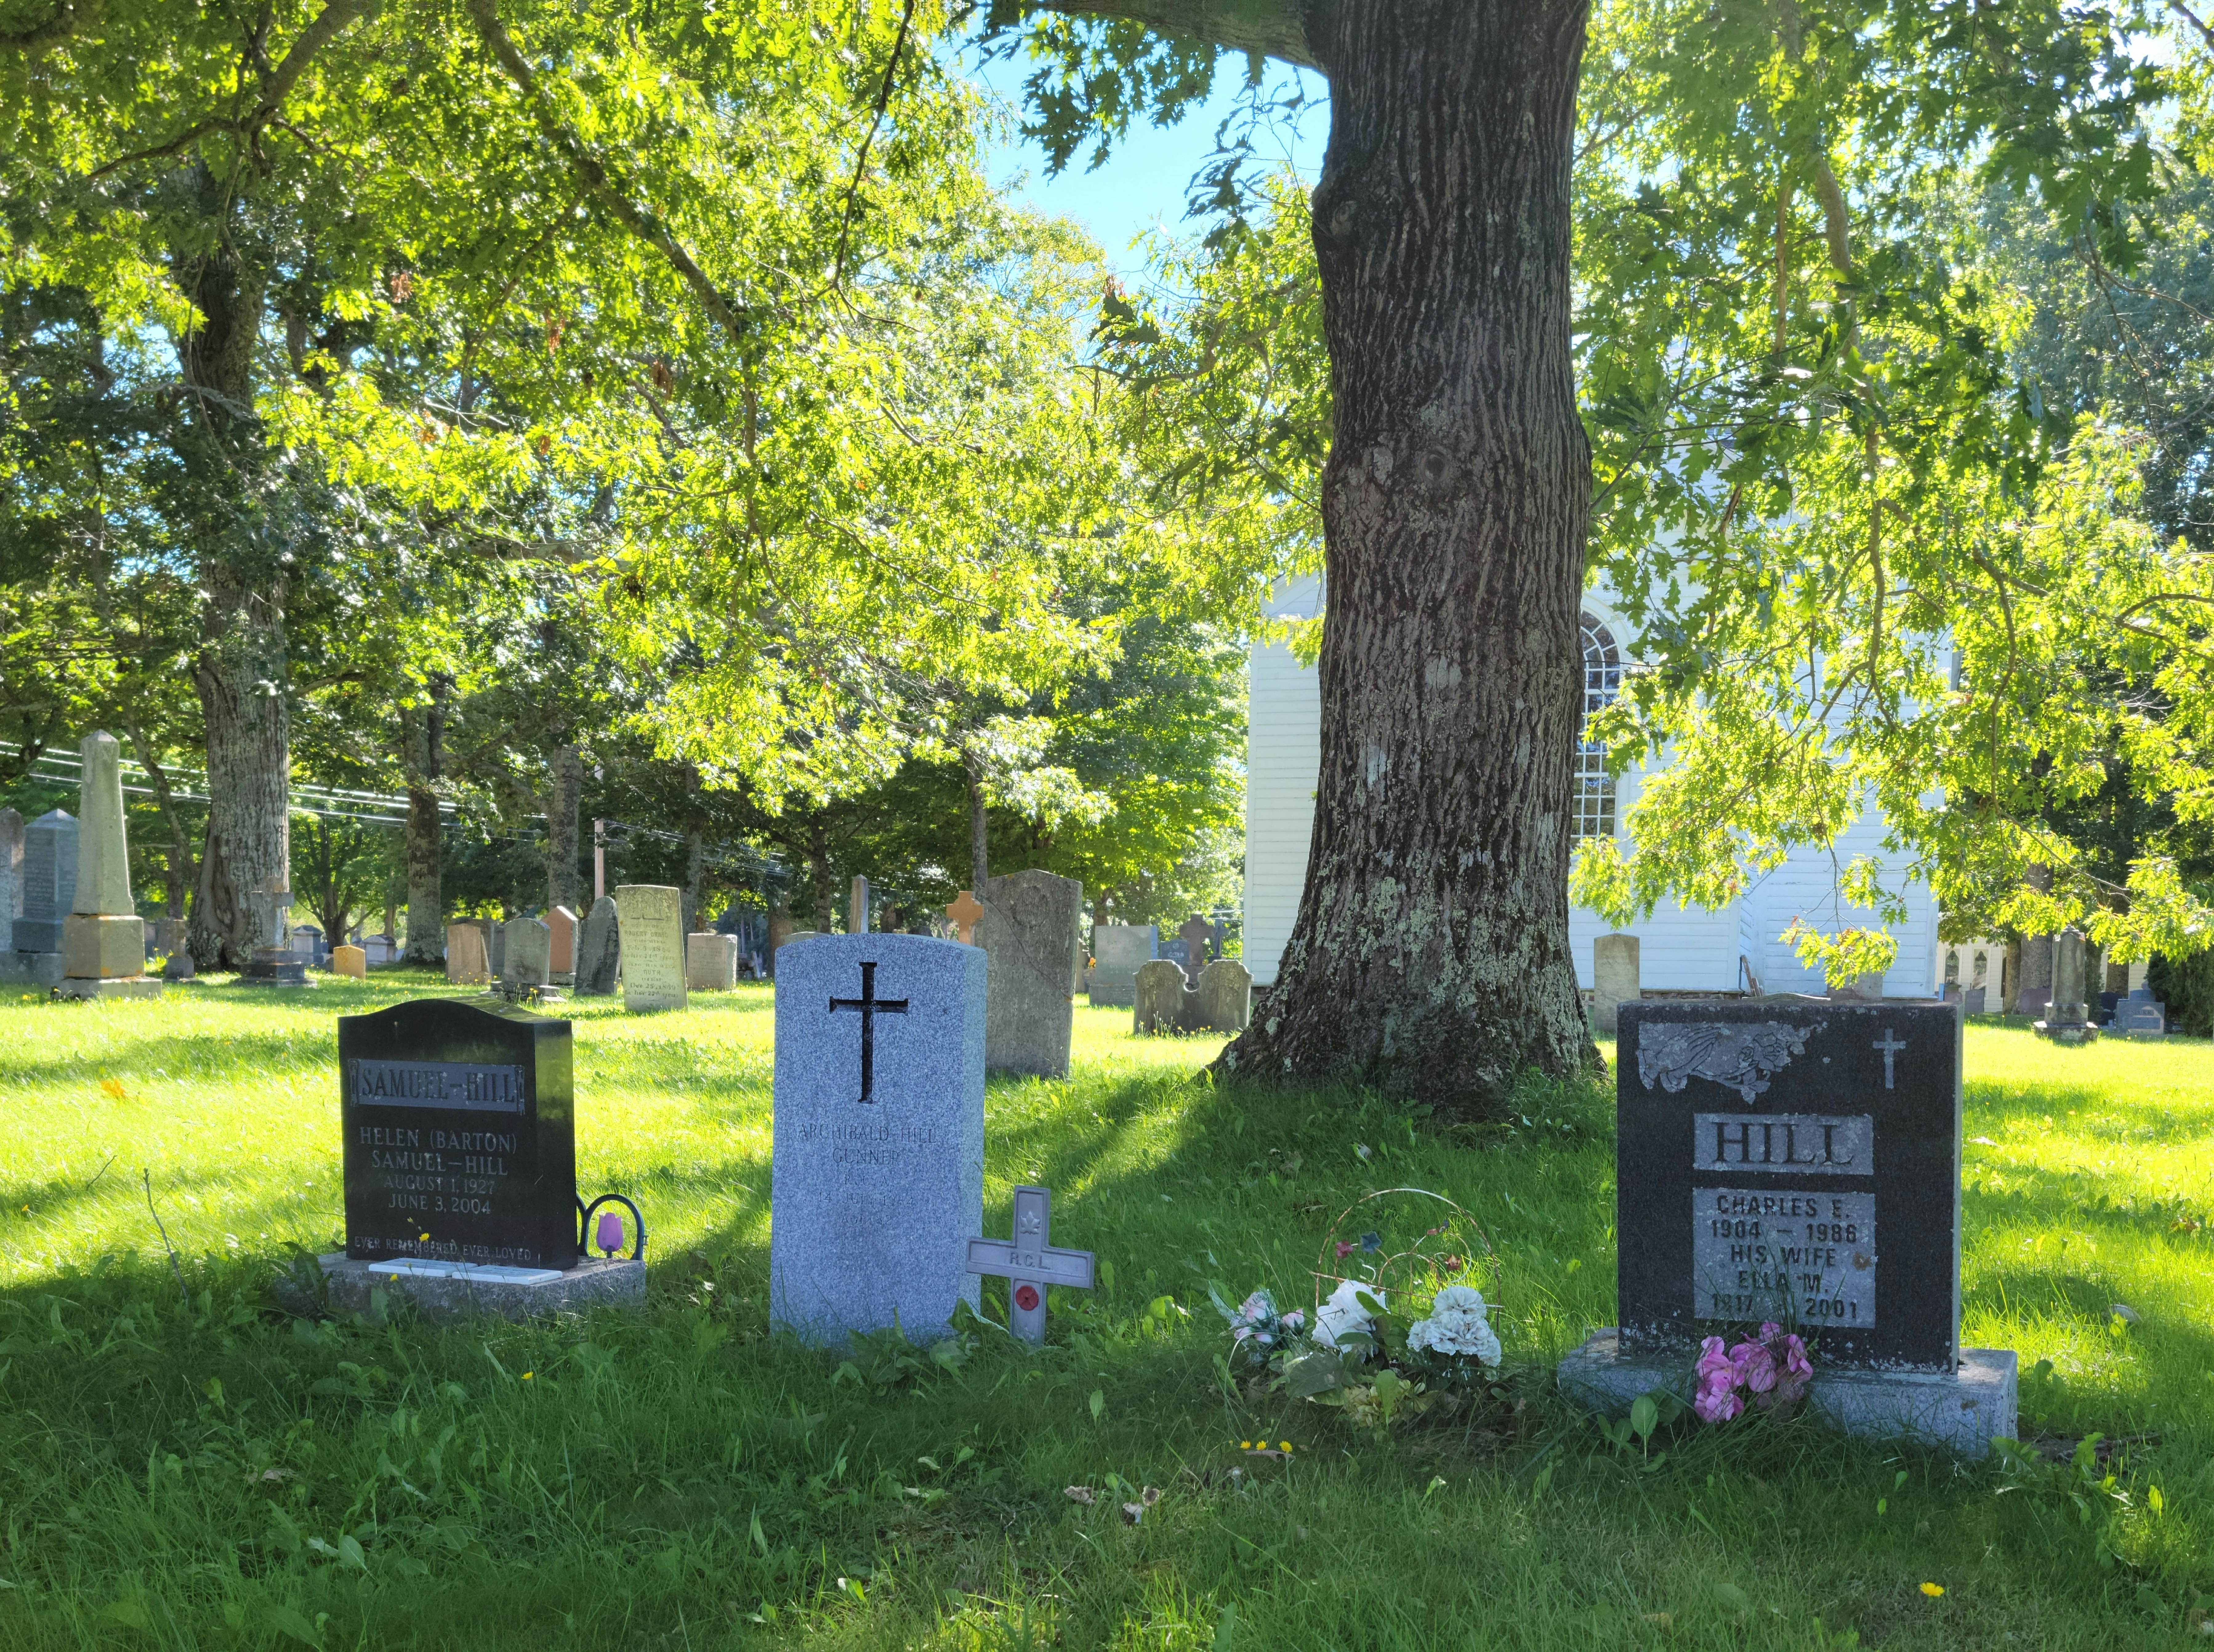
column 1029, row 1264
column 869, row 1005
column 1891, row 1046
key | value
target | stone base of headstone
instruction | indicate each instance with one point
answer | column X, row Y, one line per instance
column 275, row 966
column 108, row 986
column 1963, row 1411
column 458, row 1291
column 528, row 992
column 31, row 968
column 98, row 946
column 2066, row 1032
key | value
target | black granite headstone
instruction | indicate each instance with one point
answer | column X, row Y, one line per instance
column 1795, row 1160
column 459, row 1136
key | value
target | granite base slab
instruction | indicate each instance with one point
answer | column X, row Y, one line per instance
column 1963, row 1411
column 110, row 986
column 2066, row 1032
column 30, row 968
column 458, row 1291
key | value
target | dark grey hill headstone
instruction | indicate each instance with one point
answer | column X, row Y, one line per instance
column 458, row 1125
column 1796, row 1161
column 599, row 950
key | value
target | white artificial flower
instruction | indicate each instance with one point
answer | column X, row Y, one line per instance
column 1458, row 1326
column 1343, row 1313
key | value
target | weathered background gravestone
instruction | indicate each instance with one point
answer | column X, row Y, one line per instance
column 11, row 877
column 1220, row 1001
column 103, row 938
column 857, row 906
column 2067, row 1018
column 1614, row 979
column 351, row 962
column 1798, row 1160
column 599, row 950
column 561, row 950
column 711, row 961
column 1029, row 931
column 496, row 947
column 651, row 919
column 1118, row 949
column 50, row 849
column 529, row 954
column 877, row 1172
column 469, row 961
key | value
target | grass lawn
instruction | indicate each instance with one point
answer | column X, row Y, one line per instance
column 217, row 1473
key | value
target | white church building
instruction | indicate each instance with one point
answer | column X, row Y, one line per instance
column 1736, row 948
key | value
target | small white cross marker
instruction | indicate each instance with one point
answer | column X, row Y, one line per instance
column 1891, row 1046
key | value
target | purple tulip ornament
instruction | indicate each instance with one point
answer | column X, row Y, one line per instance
column 610, row 1237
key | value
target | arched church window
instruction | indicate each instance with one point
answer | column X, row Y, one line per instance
column 1594, row 792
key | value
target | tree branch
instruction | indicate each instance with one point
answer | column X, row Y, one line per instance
column 876, row 120
column 1275, row 29
column 594, row 176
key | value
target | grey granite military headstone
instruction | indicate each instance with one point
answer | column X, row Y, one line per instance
column 878, row 1167
column 1798, row 1160
column 1118, row 949
column 597, row 950
column 1029, row 931
column 651, row 917
column 1614, row 979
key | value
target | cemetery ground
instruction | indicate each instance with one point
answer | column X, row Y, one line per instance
column 222, row 1471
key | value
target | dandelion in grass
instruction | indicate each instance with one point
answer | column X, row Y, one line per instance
column 1933, row 1590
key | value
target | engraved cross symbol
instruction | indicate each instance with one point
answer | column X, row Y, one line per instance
column 1891, row 1046
column 868, row 1003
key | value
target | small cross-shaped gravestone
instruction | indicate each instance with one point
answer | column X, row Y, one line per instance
column 1029, row 1265
column 1196, row 934
column 962, row 915
column 271, row 902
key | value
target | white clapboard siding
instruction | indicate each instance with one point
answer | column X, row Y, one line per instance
column 1283, row 755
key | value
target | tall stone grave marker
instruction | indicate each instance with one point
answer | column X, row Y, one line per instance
column 878, row 1172
column 1225, row 995
column 1614, row 979
column 103, row 938
column 599, row 950
column 857, row 906
column 1797, row 1160
column 2067, row 1018
column 652, row 919
column 711, row 961
column 1029, row 932
column 1118, row 949
column 561, row 948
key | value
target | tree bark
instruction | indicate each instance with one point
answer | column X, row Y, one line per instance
column 564, row 884
column 980, row 866
column 180, row 876
column 696, row 850
column 242, row 680
column 1430, row 958
column 423, row 738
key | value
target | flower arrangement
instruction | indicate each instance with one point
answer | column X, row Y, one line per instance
column 1773, row 1371
column 1355, row 1354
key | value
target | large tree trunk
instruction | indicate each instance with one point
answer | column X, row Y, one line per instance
column 1431, row 954
column 564, row 887
column 980, row 824
column 242, row 677
column 422, row 731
